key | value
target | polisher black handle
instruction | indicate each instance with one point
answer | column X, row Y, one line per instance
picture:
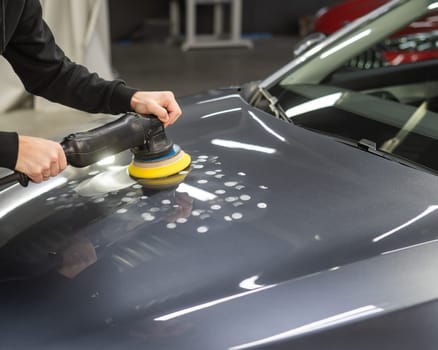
column 22, row 179
column 129, row 131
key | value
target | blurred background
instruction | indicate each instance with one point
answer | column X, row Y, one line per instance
column 181, row 45
column 142, row 54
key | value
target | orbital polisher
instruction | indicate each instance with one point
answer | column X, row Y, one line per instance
column 154, row 154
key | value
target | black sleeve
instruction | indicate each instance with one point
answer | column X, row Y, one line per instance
column 8, row 149
column 45, row 70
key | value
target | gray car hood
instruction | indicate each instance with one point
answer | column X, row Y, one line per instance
column 92, row 258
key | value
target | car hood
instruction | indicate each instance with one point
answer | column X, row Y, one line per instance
column 91, row 257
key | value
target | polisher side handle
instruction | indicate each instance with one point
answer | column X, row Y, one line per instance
column 22, row 179
column 131, row 130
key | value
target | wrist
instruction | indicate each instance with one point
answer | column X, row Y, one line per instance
column 121, row 99
column 134, row 101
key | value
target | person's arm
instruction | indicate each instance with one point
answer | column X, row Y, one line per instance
column 45, row 70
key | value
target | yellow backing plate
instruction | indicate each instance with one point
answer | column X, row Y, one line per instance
column 163, row 182
column 160, row 171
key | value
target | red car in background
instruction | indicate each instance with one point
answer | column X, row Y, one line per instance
column 416, row 42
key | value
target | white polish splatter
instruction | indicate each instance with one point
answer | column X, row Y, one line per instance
column 147, row 217
column 236, row 216
column 202, row 229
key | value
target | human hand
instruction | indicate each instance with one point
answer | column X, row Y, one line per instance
column 39, row 158
column 162, row 104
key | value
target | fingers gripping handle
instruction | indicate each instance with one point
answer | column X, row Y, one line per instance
column 85, row 148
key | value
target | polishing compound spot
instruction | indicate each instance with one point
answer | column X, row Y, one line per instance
column 159, row 167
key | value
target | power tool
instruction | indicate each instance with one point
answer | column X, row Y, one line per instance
column 154, row 154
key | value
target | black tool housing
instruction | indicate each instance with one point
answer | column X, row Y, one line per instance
column 144, row 135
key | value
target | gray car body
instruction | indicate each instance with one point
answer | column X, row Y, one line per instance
column 276, row 238
column 287, row 236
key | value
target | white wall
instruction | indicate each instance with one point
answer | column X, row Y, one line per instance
column 81, row 29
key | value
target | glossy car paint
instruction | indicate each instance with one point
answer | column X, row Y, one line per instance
column 275, row 233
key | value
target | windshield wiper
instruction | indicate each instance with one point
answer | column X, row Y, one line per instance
column 371, row 147
column 259, row 99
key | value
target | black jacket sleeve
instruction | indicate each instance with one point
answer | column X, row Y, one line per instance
column 8, row 149
column 45, row 70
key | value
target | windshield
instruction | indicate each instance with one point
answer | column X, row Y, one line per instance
column 352, row 85
column 358, row 36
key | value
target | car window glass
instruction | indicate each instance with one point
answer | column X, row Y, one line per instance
column 408, row 132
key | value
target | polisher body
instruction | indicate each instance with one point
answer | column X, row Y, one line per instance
column 155, row 155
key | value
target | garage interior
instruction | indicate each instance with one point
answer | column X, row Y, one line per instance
column 145, row 55
column 134, row 36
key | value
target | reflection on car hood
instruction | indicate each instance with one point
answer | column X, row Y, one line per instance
column 265, row 202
